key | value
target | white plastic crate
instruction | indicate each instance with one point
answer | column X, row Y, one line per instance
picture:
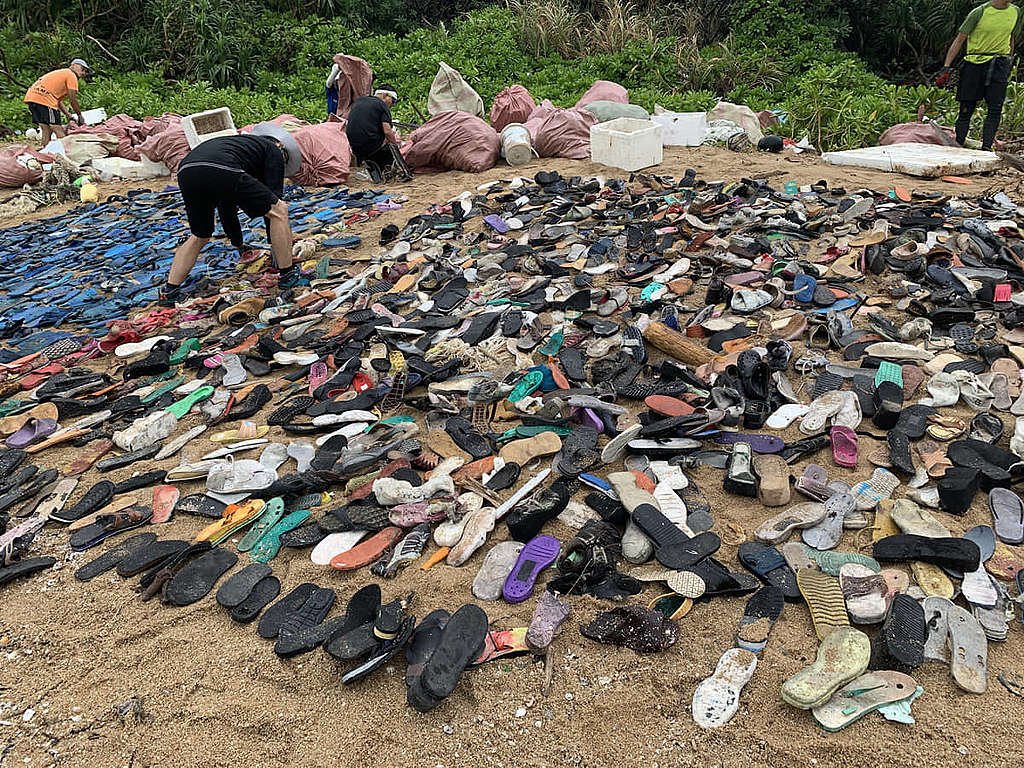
column 208, row 125
column 682, row 129
column 626, row 143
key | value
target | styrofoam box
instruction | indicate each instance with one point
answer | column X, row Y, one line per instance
column 94, row 116
column 626, row 143
column 682, row 129
column 208, row 125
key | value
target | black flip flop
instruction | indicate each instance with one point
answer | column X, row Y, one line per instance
column 113, row 556
column 354, row 638
column 94, row 499
column 195, row 580
column 270, row 623
column 673, row 548
column 24, row 568
column 958, row 554
column 150, row 556
column 136, row 482
column 266, row 590
column 240, row 585
column 200, row 505
column 306, row 639
column 310, row 613
column 125, row 459
column 424, row 642
column 768, row 564
column 899, row 645
column 460, row 643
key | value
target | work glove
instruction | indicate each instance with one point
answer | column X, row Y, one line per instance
column 942, row 77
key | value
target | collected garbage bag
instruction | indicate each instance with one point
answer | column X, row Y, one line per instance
column 21, row 165
column 168, row 147
column 354, row 81
column 82, row 148
column 124, row 128
column 452, row 141
column 558, row 132
column 154, row 125
column 740, row 114
column 915, row 133
column 512, row 105
column 450, row 93
column 612, row 110
column 604, row 90
column 290, row 123
column 326, row 154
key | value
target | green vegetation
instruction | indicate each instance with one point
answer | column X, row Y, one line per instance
column 823, row 62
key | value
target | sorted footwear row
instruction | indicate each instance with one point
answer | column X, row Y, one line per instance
column 553, row 383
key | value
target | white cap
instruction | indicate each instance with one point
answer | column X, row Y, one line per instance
column 81, row 63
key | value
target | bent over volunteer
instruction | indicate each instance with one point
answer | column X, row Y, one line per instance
column 45, row 99
column 989, row 31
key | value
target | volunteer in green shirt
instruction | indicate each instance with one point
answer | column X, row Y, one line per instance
column 988, row 31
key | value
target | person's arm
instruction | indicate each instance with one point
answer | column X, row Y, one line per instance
column 333, row 77
column 232, row 228
column 73, row 98
column 954, row 49
column 389, row 130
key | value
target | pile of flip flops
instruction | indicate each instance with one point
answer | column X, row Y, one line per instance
column 532, row 382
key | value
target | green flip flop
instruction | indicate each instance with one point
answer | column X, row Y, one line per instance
column 183, row 406
column 268, row 546
column 271, row 515
column 526, row 385
column 163, row 389
column 184, row 349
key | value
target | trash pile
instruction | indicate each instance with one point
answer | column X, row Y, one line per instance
column 536, row 357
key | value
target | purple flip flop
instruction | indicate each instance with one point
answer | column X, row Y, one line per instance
column 32, row 432
column 538, row 554
column 758, row 443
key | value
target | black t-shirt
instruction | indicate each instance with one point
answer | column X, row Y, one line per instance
column 257, row 156
column 366, row 124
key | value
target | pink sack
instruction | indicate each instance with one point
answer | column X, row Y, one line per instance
column 353, row 83
column 168, row 147
column 12, row 173
column 124, row 128
column 914, row 133
column 452, row 141
column 604, row 90
column 325, row 154
column 558, row 132
column 512, row 105
column 154, row 125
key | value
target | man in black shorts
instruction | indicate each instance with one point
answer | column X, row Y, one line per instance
column 370, row 131
column 231, row 172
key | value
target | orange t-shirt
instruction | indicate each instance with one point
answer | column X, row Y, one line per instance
column 52, row 87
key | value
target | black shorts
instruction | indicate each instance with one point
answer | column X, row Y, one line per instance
column 44, row 115
column 205, row 189
column 984, row 81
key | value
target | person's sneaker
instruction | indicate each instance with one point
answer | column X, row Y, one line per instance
column 168, row 298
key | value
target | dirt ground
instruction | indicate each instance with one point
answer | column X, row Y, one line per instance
column 212, row 693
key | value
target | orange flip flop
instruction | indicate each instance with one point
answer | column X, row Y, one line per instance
column 668, row 406
column 902, row 194
column 56, row 439
column 368, row 551
column 235, row 517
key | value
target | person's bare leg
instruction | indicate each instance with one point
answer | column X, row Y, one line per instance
column 45, row 133
column 58, row 132
column 185, row 258
column 280, row 235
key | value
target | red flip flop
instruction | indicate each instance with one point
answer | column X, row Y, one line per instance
column 844, row 446
column 368, row 551
column 164, row 499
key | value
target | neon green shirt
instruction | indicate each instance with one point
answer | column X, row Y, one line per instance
column 990, row 32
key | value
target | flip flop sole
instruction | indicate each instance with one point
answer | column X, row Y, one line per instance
column 270, row 623
column 262, row 594
column 148, row 557
column 112, row 557
column 842, row 656
column 195, row 580
column 537, row 555
column 459, row 644
column 825, row 599
column 240, row 585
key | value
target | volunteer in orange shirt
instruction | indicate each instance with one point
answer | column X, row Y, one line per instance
column 46, row 96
